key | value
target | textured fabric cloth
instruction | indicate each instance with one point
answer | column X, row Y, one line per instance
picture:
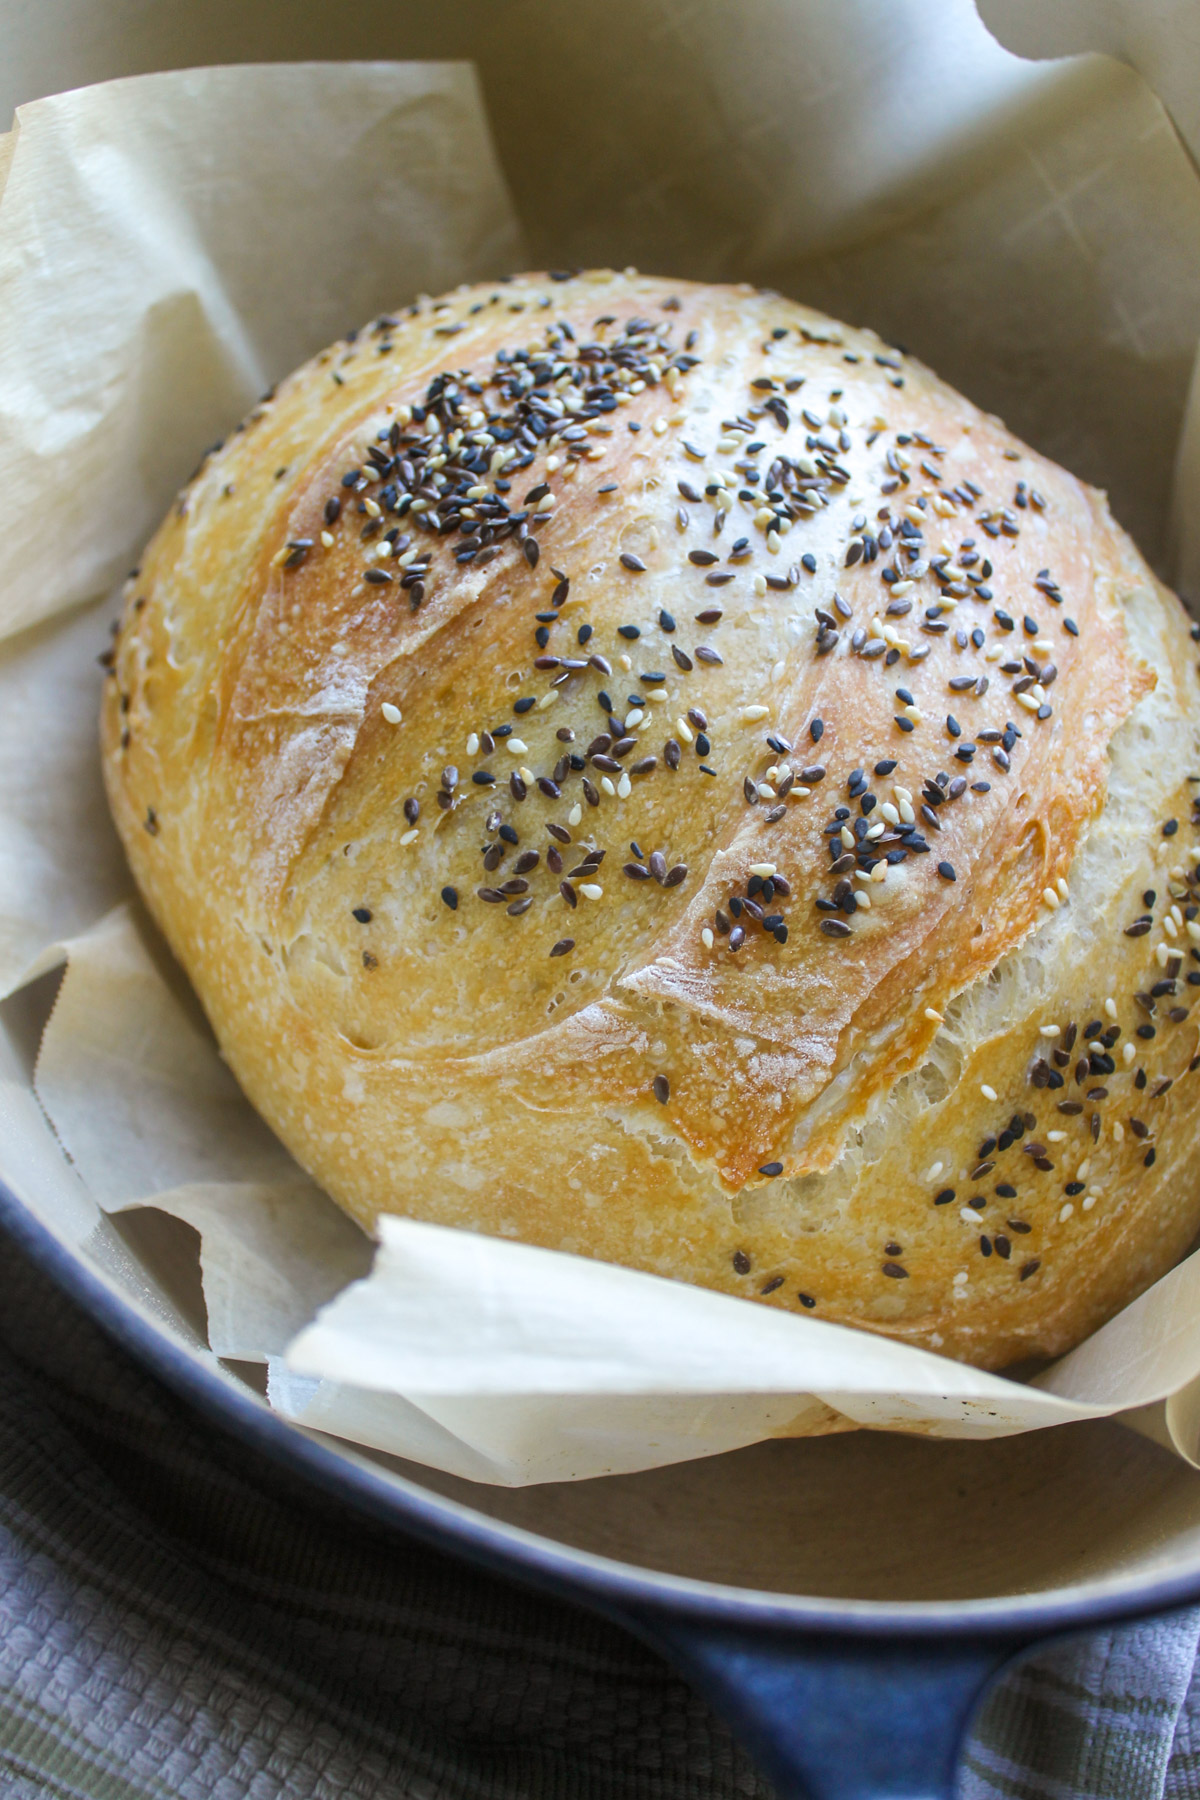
column 178, row 1622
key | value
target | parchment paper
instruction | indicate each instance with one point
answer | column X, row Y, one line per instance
column 171, row 244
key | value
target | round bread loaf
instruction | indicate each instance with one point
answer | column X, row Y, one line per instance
column 644, row 769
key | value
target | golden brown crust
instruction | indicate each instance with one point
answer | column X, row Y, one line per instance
column 749, row 1114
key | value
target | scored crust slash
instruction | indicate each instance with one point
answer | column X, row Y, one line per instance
column 643, row 768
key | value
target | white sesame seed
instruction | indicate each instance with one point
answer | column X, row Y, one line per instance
column 706, row 937
column 591, row 890
column 684, row 730
column 660, row 696
column 516, row 747
column 1051, row 899
column 624, row 788
column 774, row 543
column 994, row 653
column 1064, row 892
column 901, row 587
column 847, row 838
column 969, row 1216
column 1118, row 1132
column 907, row 815
column 327, row 539
column 1193, row 930
column 1066, row 1212
column 751, row 714
column 1049, row 1031
column 1028, row 702
column 408, row 836
column 763, row 869
column 902, row 794
column 374, row 510
column 875, row 831
column 527, row 776
column 1177, row 915
column 1056, row 1137
column 1128, row 1052
column 889, row 812
column 933, row 1171
column 880, row 872
column 607, row 785
column 547, row 699
column 391, row 713
column 575, row 816
column 634, row 719
column 1162, row 955
column 1169, row 926
column 766, row 791
column 989, row 1093
column 1088, row 1201
column 799, row 793
column 1043, row 646
column 864, row 900
column 473, row 743
column 760, row 584
column 626, row 663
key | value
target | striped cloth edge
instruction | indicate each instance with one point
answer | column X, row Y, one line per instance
column 177, row 1622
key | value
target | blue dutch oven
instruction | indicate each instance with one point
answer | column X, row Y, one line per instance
column 846, row 1682
column 847, row 1698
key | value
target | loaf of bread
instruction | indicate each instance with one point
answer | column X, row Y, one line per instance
column 642, row 768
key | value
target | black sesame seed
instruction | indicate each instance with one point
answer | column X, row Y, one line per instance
column 771, row 1169
column 362, row 914
column 662, row 1089
column 946, row 871
column 741, row 1263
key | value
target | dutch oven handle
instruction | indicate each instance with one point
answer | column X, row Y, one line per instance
column 839, row 1717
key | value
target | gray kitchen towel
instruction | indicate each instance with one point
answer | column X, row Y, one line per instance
column 178, row 1621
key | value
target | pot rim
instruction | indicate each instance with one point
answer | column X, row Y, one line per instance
column 621, row 1588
